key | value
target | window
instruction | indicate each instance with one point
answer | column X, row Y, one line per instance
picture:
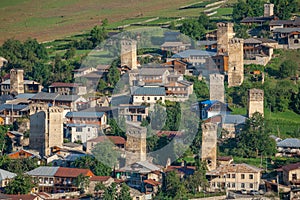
column 242, row 185
column 155, row 98
column 294, row 176
column 242, row 176
column 251, row 185
column 233, row 175
column 148, row 98
column 227, row 175
column 296, row 41
column 250, row 176
column 233, row 185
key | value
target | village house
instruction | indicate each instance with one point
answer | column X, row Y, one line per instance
column 179, row 90
column 95, row 118
column 80, row 132
column 74, row 102
column 195, row 57
column 5, row 177
column 287, row 37
column 288, row 147
column 10, row 112
column 174, row 47
column 16, row 140
column 149, row 76
column 179, row 67
column 232, row 124
column 67, row 88
column 94, row 180
column 210, row 108
column 133, row 113
column 274, row 24
column 118, row 141
column 143, row 176
column 29, row 87
column 148, row 95
column 22, row 153
column 58, row 179
column 83, row 71
column 182, row 171
column 291, row 174
column 234, row 177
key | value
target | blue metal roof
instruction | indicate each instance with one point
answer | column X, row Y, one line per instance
column 85, row 114
column 289, row 142
column 194, row 52
column 150, row 91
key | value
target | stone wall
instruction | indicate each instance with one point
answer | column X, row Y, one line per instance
column 255, row 102
column 216, row 87
column 235, row 62
column 128, row 54
column 16, row 81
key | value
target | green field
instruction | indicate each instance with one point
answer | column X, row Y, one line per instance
column 48, row 20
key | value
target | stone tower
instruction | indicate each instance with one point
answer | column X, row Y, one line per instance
column 128, row 54
column 209, row 145
column 16, row 81
column 224, row 34
column 136, row 143
column 235, row 62
column 268, row 10
column 46, row 128
column 216, row 87
column 255, row 102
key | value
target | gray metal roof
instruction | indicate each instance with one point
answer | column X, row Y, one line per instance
column 234, row 119
column 150, row 91
column 6, row 174
column 14, row 107
column 85, row 114
column 194, row 52
column 286, row 30
column 43, row 171
column 54, row 96
column 252, row 41
column 145, row 71
column 25, row 96
column 289, row 142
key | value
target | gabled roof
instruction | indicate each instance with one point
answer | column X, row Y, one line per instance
column 150, row 91
column 100, row 178
column 286, row 30
column 289, row 142
column 233, row 168
column 61, row 84
column 187, row 170
column 234, row 119
column 84, row 114
column 43, row 171
column 115, row 139
column 152, row 182
column 6, row 174
column 154, row 71
column 291, row 167
column 45, row 96
column 14, row 107
column 72, row 172
column 25, row 96
column 252, row 41
column 281, row 22
column 21, row 196
column 141, row 167
column 194, row 52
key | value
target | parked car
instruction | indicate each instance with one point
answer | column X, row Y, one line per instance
column 244, row 191
column 254, row 192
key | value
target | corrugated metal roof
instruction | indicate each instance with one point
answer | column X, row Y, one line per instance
column 194, row 52
column 145, row 71
column 13, row 107
column 151, row 91
column 6, row 174
column 85, row 114
column 286, row 30
column 289, row 142
column 43, row 171
column 25, row 96
column 234, row 119
column 45, row 96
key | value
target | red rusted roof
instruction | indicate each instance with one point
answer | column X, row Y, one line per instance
column 115, row 139
column 169, row 134
column 72, row 172
column 60, row 84
column 21, row 196
column 291, row 167
column 225, row 158
column 100, row 178
column 152, row 182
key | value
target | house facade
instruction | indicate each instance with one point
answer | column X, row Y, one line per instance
column 93, row 118
column 67, row 88
column 291, row 174
column 149, row 95
column 80, row 132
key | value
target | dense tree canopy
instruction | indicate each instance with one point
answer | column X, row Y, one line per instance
column 247, row 8
column 90, row 162
column 21, row 184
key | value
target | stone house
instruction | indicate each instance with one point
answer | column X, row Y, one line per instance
column 67, row 88
column 234, row 177
column 94, row 180
column 288, row 147
column 5, row 177
column 16, row 140
column 11, row 112
column 118, row 141
column 83, row 71
column 194, row 57
column 287, row 37
column 134, row 113
column 174, row 47
column 291, row 174
column 94, row 118
column 274, row 24
column 233, row 125
column 149, row 95
column 210, row 108
column 80, row 132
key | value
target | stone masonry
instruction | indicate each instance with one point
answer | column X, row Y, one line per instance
column 46, row 128
column 136, row 143
column 216, row 87
column 235, row 62
column 268, row 10
column 129, row 54
column 255, row 102
column 16, row 81
column 224, row 34
column 209, row 145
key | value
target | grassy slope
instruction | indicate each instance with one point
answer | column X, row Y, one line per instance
column 52, row 19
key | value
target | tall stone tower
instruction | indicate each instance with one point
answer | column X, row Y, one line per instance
column 268, row 10
column 235, row 62
column 16, row 81
column 255, row 102
column 224, row 34
column 209, row 145
column 46, row 128
column 136, row 143
column 128, row 54
column 216, row 87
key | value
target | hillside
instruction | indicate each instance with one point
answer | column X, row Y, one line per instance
column 52, row 19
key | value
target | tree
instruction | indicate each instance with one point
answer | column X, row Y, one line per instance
column 124, row 193
column 110, row 193
column 288, row 68
column 101, row 85
column 82, row 182
column 113, row 75
column 284, row 8
column 21, row 184
column 98, row 34
column 106, row 153
column 90, row 162
column 99, row 187
column 193, row 29
column 158, row 117
column 248, row 8
column 70, row 53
